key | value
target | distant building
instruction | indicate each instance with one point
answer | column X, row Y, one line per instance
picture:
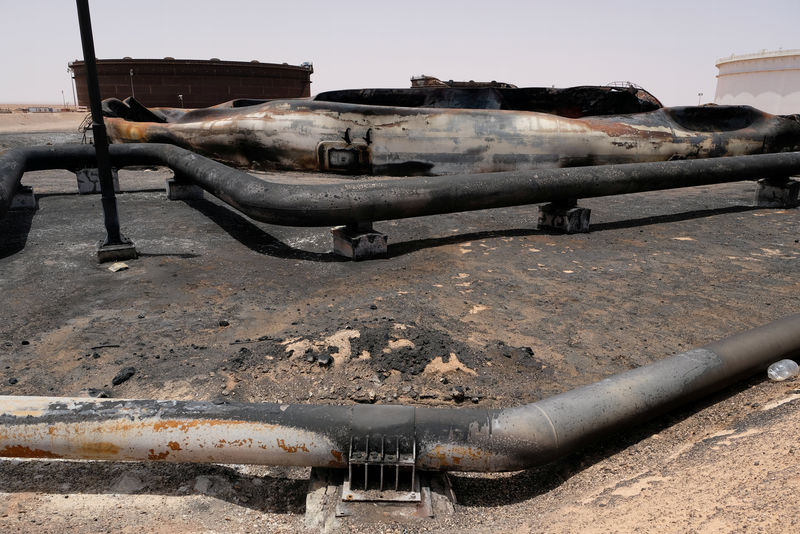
column 192, row 83
column 769, row 81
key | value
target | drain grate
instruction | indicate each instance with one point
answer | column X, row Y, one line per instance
column 382, row 468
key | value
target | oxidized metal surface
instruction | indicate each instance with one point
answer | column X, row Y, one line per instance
column 43, row 427
column 318, row 135
column 174, row 431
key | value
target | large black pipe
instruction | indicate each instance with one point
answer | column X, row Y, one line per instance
column 446, row 439
column 374, row 200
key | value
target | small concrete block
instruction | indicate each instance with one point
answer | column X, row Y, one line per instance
column 324, row 493
column 570, row 220
column 327, row 502
column 23, row 200
column 359, row 242
column 777, row 194
column 177, row 190
column 89, row 181
column 120, row 252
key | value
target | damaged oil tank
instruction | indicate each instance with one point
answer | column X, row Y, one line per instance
column 452, row 130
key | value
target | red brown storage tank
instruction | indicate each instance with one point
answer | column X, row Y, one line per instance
column 193, row 83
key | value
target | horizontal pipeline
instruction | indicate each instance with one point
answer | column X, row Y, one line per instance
column 375, row 200
column 446, row 439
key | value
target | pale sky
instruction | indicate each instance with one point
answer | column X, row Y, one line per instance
column 668, row 47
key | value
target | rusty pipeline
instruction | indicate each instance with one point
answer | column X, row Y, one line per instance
column 440, row 438
column 375, row 200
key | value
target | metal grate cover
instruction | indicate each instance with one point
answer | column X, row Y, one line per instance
column 382, row 468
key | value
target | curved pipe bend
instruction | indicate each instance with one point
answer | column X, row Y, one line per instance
column 374, row 200
column 445, row 438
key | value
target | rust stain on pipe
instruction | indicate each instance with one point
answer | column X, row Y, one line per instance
column 452, row 456
column 20, row 451
column 100, row 448
column 183, row 425
column 291, row 448
column 122, row 430
column 156, row 457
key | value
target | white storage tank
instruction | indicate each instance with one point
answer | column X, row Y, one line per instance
column 769, row 81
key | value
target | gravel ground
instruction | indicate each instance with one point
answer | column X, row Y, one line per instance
column 476, row 309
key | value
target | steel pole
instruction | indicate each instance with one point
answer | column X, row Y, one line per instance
column 109, row 201
column 72, row 84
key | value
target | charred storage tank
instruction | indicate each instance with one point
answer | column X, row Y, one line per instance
column 769, row 81
column 444, row 130
column 191, row 83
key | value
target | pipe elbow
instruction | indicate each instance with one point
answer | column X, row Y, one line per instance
column 13, row 164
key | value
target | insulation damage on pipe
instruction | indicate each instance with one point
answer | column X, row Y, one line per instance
column 445, row 439
column 375, row 200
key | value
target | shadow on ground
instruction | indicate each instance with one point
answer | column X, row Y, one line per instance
column 256, row 239
column 248, row 234
column 530, row 483
column 14, row 230
column 275, row 494
column 18, row 224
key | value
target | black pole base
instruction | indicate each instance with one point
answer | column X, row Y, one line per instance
column 564, row 216
column 359, row 242
column 116, row 252
column 778, row 194
column 23, row 200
